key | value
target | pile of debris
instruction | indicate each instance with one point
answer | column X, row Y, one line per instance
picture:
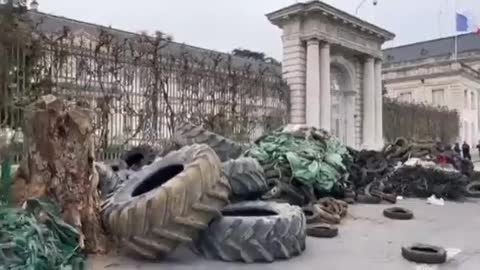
column 35, row 237
column 272, row 189
column 230, row 201
column 284, row 182
column 410, row 169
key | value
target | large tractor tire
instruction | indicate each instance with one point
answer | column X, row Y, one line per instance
column 255, row 231
column 226, row 149
column 167, row 203
column 246, row 178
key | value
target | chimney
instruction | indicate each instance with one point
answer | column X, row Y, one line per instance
column 34, row 5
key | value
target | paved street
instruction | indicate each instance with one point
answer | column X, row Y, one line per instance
column 367, row 240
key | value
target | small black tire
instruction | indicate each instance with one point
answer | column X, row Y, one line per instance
column 368, row 199
column 226, row 149
column 246, row 178
column 398, row 213
column 421, row 253
column 139, row 156
column 311, row 213
column 472, row 190
column 255, row 231
column 167, row 203
column 322, row 231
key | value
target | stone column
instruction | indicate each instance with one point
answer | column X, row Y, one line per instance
column 378, row 105
column 349, row 114
column 293, row 69
column 368, row 104
column 312, row 110
column 325, row 90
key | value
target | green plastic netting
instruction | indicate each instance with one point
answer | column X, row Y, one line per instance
column 35, row 238
column 313, row 157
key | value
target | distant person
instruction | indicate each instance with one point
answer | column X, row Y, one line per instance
column 457, row 148
column 448, row 147
column 466, row 151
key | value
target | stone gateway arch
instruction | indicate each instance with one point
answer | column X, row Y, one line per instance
column 332, row 62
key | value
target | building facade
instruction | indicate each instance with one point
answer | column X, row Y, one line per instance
column 429, row 72
column 332, row 62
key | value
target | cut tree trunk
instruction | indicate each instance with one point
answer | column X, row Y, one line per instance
column 59, row 165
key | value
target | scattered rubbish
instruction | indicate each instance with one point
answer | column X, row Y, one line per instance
column 426, row 267
column 422, row 253
column 258, row 231
column 435, row 201
column 452, row 253
column 399, row 198
column 398, row 213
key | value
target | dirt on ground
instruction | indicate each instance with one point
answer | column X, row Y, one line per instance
column 367, row 240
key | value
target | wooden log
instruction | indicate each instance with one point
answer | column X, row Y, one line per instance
column 59, row 165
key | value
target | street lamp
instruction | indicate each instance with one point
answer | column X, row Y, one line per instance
column 375, row 2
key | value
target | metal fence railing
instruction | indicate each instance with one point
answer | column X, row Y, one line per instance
column 138, row 89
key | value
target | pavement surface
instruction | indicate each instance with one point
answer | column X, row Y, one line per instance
column 366, row 241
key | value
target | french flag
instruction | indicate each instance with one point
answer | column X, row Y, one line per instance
column 466, row 23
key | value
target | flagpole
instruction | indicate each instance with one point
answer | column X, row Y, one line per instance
column 456, row 33
column 456, row 47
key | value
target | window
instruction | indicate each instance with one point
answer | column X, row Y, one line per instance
column 405, row 97
column 438, row 97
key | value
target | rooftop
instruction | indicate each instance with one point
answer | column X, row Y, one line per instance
column 49, row 23
column 278, row 16
column 432, row 48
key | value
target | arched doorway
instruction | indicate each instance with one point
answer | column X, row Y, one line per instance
column 343, row 103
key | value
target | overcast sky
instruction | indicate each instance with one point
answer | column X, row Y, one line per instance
column 228, row 24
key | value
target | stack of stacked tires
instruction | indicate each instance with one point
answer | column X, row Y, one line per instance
column 204, row 195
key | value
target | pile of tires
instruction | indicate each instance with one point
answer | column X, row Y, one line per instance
column 185, row 198
column 167, row 203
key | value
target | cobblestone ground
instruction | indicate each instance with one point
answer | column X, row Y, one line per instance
column 366, row 241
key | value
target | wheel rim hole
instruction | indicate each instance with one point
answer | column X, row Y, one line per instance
column 254, row 212
column 424, row 249
column 400, row 211
column 157, row 179
column 308, row 213
column 134, row 159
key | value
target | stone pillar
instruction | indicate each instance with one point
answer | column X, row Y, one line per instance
column 325, row 90
column 378, row 105
column 349, row 114
column 293, row 69
column 312, row 110
column 368, row 104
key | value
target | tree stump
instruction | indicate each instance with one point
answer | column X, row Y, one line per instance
column 59, row 165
